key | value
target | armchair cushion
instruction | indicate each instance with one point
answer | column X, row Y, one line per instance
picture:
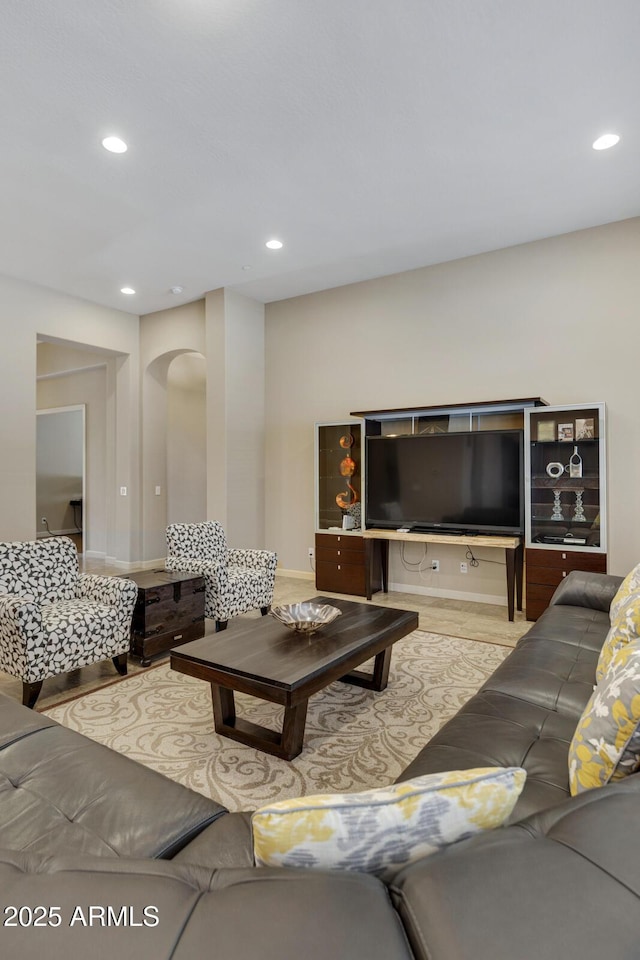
column 76, row 629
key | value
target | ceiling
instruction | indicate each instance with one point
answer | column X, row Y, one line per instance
column 370, row 136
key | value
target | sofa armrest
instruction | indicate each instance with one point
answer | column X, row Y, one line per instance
column 227, row 842
column 254, row 559
column 113, row 591
column 20, row 628
column 583, row 589
column 214, row 572
column 19, row 615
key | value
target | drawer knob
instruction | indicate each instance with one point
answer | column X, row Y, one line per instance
column 338, row 566
column 338, row 553
column 564, row 573
column 564, row 556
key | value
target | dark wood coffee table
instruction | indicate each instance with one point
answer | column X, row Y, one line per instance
column 266, row 660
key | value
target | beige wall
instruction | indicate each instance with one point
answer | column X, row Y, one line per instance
column 228, row 329
column 235, row 416
column 186, row 439
column 27, row 311
column 164, row 336
column 245, row 420
column 559, row 319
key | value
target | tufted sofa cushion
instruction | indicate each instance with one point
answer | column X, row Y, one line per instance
column 526, row 713
column 563, row 883
column 223, row 914
column 61, row 792
column 494, row 729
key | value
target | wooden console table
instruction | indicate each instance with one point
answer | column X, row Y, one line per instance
column 512, row 546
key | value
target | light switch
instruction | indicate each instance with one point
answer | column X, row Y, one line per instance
column 158, row 491
column 123, row 491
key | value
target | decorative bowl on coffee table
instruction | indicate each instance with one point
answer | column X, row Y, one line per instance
column 306, row 617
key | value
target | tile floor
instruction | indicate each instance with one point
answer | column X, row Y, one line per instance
column 460, row 618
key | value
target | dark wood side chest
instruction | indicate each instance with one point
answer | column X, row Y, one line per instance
column 546, row 569
column 169, row 611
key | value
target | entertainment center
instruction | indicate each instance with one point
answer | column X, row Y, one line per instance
column 501, row 474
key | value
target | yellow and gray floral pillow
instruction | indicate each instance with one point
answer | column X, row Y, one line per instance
column 629, row 586
column 606, row 743
column 379, row 831
column 625, row 628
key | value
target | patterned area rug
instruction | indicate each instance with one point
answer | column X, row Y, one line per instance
column 355, row 739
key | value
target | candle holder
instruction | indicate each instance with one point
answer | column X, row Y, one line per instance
column 578, row 513
column 556, row 513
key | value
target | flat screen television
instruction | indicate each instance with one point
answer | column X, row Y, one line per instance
column 448, row 482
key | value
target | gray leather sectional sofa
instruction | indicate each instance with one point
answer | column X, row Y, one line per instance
column 102, row 858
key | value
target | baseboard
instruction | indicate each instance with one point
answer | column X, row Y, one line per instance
column 95, row 554
column 150, row 564
column 300, row 574
column 42, row 534
column 128, row 566
column 414, row 588
column 448, row 594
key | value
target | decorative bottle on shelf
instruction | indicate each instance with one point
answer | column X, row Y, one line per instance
column 575, row 464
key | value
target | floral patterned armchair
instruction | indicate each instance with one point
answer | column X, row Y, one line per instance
column 54, row 619
column 236, row 581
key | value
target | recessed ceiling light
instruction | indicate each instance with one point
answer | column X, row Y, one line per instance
column 177, row 289
column 114, row 145
column 247, row 266
column 273, row 244
column 605, row 141
column 128, row 290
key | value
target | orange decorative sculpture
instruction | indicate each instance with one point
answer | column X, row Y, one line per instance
column 347, row 469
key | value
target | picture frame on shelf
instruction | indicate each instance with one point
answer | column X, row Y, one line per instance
column 585, row 428
column 565, row 431
column 546, row 430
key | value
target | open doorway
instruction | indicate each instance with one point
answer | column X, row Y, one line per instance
column 60, row 473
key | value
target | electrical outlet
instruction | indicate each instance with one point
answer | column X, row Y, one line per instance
column 435, row 566
column 311, row 552
column 464, row 568
column 44, row 521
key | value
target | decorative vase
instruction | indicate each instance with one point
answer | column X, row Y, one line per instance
column 575, row 464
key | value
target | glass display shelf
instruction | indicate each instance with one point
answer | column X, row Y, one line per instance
column 565, row 482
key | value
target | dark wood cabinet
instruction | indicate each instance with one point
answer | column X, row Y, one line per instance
column 341, row 565
column 169, row 611
column 546, row 569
